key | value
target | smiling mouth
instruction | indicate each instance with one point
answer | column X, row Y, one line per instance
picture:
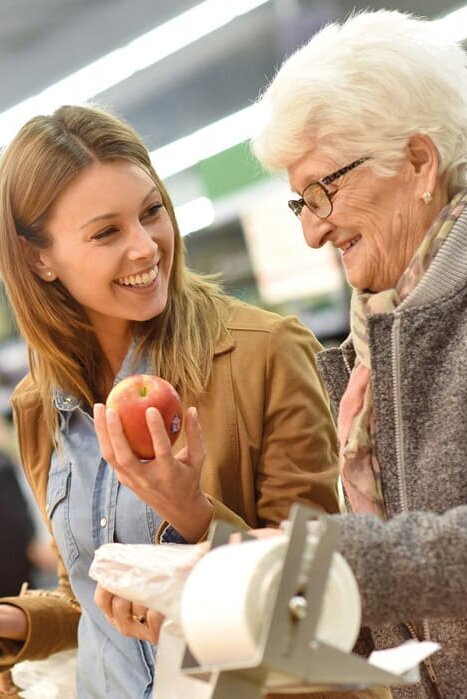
column 139, row 280
column 349, row 243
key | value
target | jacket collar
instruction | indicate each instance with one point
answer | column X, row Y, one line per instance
column 225, row 344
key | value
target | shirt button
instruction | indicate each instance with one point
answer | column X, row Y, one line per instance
column 103, row 521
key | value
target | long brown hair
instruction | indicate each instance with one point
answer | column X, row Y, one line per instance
column 47, row 153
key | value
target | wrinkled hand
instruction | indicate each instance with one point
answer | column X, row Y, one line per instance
column 169, row 484
column 128, row 618
column 13, row 623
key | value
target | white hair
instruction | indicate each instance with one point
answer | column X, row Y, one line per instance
column 363, row 88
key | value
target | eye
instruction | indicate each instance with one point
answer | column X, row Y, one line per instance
column 153, row 210
column 106, row 233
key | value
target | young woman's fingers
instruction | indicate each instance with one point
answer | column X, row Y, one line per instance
column 196, row 450
column 124, row 456
column 160, row 439
column 122, row 611
column 132, row 620
column 154, row 622
column 139, row 613
column 103, row 599
column 100, row 425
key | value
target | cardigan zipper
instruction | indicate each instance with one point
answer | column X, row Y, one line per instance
column 399, row 440
column 401, row 470
column 427, row 662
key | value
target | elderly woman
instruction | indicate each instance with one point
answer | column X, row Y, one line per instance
column 369, row 120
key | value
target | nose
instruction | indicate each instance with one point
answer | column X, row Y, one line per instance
column 142, row 244
column 316, row 231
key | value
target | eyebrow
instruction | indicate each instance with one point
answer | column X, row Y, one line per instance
column 309, row 181
column 105, row 217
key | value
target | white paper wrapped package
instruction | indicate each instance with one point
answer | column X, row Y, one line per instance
column 227, row 596
column 152, row 576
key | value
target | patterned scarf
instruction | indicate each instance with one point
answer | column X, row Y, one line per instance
column 358, row 462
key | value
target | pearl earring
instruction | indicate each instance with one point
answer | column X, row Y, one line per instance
column 427, row 197
column 49, row 274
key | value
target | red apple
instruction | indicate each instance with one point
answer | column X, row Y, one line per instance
column 132, row 396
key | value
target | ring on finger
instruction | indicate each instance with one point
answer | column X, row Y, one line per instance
column 140, row 618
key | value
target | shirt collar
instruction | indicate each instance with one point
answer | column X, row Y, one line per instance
column 65, row 402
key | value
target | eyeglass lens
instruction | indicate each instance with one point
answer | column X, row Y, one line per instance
column 317, row 199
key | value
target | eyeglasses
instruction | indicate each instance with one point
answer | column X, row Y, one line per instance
column 317, row 197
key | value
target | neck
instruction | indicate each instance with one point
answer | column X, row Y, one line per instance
column 114, row 348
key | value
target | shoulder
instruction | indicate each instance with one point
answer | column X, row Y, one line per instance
column 26, row 395
column 28, row 411
column 256, row 331
column 241, row 316
column 34, row 441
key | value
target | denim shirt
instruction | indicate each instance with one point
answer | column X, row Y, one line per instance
column 89, row 507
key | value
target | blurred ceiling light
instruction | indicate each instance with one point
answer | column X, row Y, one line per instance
column 241, row 126
column 194, row 215
column 206, row 142
column 118, row 65
column 454, row 24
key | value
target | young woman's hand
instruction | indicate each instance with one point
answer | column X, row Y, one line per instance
column 130, row 619
column 169, row 484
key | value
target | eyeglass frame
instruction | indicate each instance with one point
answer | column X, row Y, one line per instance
column 296, row 205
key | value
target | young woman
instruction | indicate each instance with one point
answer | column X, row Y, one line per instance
column 93, row 263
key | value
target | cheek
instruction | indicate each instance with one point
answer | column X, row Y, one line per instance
column 163, row 234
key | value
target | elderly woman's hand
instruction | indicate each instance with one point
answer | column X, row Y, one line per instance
column 169, row 484
column 128, row 618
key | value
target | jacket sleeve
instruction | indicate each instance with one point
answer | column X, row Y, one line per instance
column 166, row 534
column 413, row 566
column 53, row 617
column 298, row 462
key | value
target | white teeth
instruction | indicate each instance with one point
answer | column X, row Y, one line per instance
column 349, row 243
column 139, row 279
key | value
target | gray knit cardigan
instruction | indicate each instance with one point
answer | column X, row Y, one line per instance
column 413, row 568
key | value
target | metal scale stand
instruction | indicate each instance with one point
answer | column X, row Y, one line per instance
column 288, row 646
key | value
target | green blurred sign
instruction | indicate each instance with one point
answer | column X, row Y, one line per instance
column 230, row 171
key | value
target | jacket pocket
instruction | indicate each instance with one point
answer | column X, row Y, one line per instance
column 58, row 510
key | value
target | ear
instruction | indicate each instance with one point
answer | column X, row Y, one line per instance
column 423, row 161
column 37, row 260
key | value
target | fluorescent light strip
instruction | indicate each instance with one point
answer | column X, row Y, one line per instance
column 206, row 142
column 194, row 215
column 118, row 65
column 454, row 25
column 241, row 126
